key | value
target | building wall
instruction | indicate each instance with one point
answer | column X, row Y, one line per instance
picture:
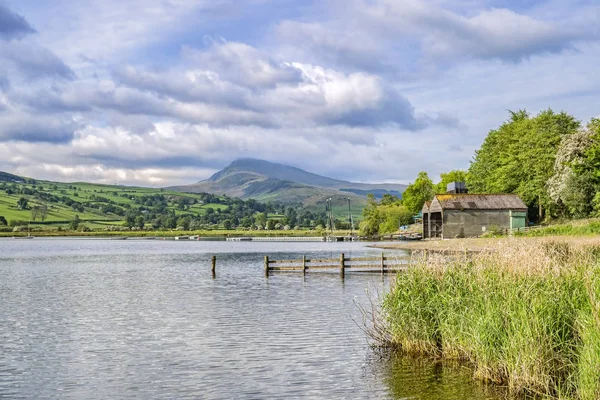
column 470, row 223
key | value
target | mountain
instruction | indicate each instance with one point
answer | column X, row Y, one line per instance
column 266, row 181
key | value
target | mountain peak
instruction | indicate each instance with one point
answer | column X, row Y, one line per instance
column 270, row 181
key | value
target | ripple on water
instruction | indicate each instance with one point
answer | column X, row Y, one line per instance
column 127, row 319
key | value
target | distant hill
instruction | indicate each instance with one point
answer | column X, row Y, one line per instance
column 266, row 181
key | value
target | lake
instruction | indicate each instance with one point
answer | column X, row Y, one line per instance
column 125, row 319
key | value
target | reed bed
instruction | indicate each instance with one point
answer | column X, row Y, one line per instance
column 524, row 317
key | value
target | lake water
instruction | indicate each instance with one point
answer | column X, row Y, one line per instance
column 108, row 319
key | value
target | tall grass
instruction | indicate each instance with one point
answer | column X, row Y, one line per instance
column 525, row 318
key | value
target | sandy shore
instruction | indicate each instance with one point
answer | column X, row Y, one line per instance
column 487, row 244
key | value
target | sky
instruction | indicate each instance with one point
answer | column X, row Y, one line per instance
column 166, row 92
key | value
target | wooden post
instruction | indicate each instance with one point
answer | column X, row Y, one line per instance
column 342, row 266
column 382, row 264
column 267, row 266
column 214, row 265
column 304, row 265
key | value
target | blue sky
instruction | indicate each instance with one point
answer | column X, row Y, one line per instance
column 169, row 91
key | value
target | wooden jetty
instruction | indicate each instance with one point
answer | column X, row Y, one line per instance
column 293, row 239
column 276, row 239
column 379, row 264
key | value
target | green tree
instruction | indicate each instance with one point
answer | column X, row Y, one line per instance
column 184, row 223
column 139, row 222
column 271, row 224
column 417, row 193
column 519, row 157
column 73, row 225
column 369, row 226
column 389, row 199
column 457, row 175
column 246, row 222
column 260, row 219
column 22, row 203
column 227, row 224
column 392, row 217
column 3, row 221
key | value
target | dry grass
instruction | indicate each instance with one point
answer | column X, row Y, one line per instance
column 486, row 244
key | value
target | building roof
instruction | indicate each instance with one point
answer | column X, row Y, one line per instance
column 479, row 202
column 426, row 206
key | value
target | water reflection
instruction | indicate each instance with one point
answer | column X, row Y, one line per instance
column 428, row 379
column 127, row 319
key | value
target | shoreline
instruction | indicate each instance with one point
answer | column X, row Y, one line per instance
column 477, row 245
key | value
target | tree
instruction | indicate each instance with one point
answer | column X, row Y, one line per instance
column 457, row 175
column 417, row 193
column 184, row 223
column 392, row 217
column 22, row 203
column 571, row 187
column 75, row 223
column 383, row 218
column 227, row 224
column 389, row 199
column 39, row 211
column 519, row 157
column 43, row 209
column 139, row 222
column 260, row 219
column 369, row 226
column 271, row 224
column 3, row 221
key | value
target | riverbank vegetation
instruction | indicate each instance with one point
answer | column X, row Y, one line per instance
column 550, row 160
column 524, row 317
column 388, row 215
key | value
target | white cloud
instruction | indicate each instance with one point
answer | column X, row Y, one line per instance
column 368, row 90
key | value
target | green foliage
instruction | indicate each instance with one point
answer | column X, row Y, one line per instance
column 519, row 156
column 418, row 192
column 260, row 219
column 519, row 322
column 457, row 175
column 383, row 218
column 75, row 223
column 22, row 203
column 3, row 221
column 52, row 204
column 392, row 217
column 369, row 226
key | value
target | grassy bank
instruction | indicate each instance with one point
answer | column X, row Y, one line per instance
column 527, row 318
column 580, row 227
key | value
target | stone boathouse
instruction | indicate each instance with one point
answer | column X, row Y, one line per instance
column 459, row 215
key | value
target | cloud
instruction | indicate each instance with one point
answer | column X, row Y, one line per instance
column 332, row 44
column 244, row 65
column 187, row 85
column 488, row 34
column 33, row 61
column 501, row 34
column 105, row 93
column 13, row 25
column 22, row 127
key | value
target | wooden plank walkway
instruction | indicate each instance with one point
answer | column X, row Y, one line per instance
column 379, row 264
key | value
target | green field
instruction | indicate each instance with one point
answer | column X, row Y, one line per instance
column 55, row 205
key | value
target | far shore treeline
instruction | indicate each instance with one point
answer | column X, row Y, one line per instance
column 551, row 161
column 40, row 205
